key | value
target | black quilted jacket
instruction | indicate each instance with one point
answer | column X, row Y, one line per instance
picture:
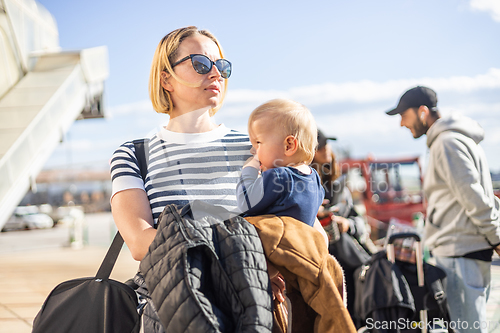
column 208, row 274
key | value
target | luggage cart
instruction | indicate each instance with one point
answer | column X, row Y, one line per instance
column 419, row 262
column 396, row 285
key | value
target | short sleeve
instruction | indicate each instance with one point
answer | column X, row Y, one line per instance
column 124, row 170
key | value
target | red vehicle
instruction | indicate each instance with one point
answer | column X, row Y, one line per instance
column 389, row 188
column 495, row 178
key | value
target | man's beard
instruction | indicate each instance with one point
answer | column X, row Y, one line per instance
column 419, row 129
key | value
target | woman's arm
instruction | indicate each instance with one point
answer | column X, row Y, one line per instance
column 134, row 219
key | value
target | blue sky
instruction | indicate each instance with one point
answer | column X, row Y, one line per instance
column 347, row 61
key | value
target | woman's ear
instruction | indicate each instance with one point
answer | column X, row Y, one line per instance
column 165, row 82
column 291, row 145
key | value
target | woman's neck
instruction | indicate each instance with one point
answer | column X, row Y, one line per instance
column 197, row 121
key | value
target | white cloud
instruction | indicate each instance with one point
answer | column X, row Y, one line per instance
column 240, row 102
column 351, row 111
column 490, row 6
column 366, row 91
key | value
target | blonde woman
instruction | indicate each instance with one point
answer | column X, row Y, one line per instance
column 191, row 158
column 188, row 82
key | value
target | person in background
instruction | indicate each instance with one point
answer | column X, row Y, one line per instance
column 325, row 163
column 338, row 214
column 462, row 227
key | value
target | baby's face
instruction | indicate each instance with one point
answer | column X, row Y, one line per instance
column 268, row 144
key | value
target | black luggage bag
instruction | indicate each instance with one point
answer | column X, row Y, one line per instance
column 399, row 296
column 94, row 304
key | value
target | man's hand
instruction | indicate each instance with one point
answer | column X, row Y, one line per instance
column 497, row 249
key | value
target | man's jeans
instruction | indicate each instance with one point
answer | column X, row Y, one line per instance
column 468, row 289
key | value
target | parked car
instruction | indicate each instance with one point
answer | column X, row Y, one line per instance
column 28, row 217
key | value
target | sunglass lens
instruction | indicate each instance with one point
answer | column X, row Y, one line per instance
column 224, row 68
column 201, row 64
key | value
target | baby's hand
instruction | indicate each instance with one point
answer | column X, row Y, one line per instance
column 252, row 162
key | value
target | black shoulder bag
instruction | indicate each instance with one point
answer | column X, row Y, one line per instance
column 94, row 304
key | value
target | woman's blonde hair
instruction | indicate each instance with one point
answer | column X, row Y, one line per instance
column 165, row 55
column 290, row 118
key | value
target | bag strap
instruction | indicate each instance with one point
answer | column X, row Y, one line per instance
column 433, row 282
column 109, row 260
column 114, row 250
column 141, row 146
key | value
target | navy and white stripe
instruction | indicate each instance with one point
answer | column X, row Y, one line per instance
column 185, row 167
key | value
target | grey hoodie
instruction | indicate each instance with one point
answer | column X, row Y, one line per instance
column 463, row 215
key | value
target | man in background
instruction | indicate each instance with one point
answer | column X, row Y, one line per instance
column 462, row 226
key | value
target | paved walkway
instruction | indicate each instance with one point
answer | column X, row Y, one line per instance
column 27, row 277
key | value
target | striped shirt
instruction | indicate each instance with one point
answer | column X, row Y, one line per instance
column 183, row 167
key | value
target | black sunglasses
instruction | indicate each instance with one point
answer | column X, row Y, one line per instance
column 203, row 65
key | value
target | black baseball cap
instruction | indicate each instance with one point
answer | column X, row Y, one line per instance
column 322, row 139
column 414, row 98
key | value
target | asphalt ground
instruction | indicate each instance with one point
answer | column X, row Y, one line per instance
column 33, row 262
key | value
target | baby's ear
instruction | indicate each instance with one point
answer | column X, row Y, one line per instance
column 291, row 145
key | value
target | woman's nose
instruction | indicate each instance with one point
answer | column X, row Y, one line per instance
column 214, row 72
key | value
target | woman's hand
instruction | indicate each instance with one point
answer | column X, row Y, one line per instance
column 271, row 269
column 278, row 287
column 342, row 222
column 322, row 212
column 277, row 282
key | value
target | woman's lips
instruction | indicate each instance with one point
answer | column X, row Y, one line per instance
column 213, row 88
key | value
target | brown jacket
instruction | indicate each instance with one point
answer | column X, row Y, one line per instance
column 300, row 254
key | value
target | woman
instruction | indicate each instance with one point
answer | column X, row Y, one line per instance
column 191, row 158
column 338, row 209
column 190, row 144
column 338, row 198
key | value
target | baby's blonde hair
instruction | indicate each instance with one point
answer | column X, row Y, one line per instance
column 290, row 118
column 165, row 55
